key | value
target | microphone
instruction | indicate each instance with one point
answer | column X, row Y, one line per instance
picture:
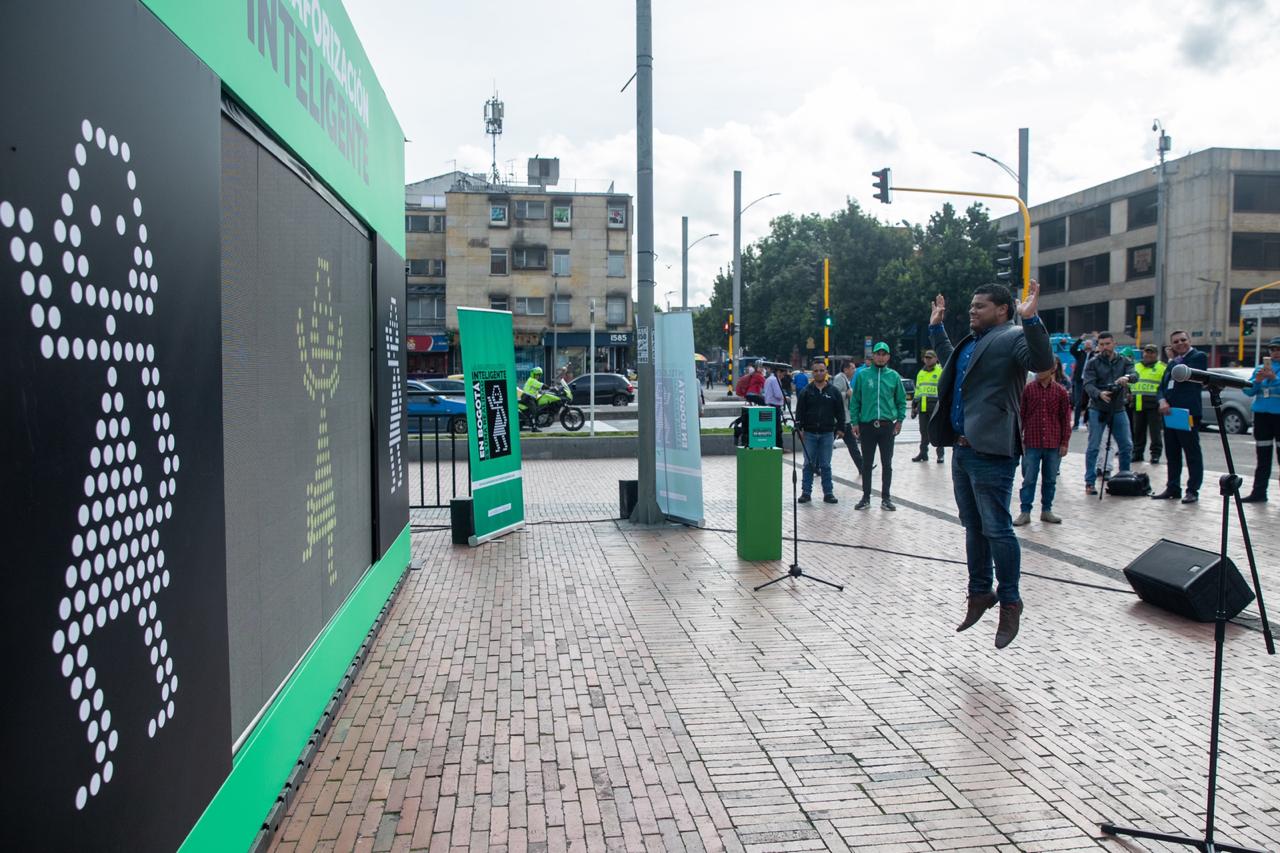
column 1182, row 373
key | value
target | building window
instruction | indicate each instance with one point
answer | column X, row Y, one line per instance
column 498, row 302
column 1054, row 319
column 1255, row 251
column 560, row 262
column 529, row 258
column 497, row 262
column 1144, row 307
column 531, row 306
column 1257, row 194
column 497, row 215
column 617, row 264
column 1142, row 209
column 563, row 313
column 617, row 214
column 1053, row 277
column 1089, row 318
column 1091, row 271
column 416, row 266
column 531, row 210
column 431, row 223
column 1141, row 262
column 426, row 307
column 616, row 310
column 561, row 215
column 1053, row 234
column 1091, row 224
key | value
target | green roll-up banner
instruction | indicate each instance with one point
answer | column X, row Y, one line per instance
column 493, row 423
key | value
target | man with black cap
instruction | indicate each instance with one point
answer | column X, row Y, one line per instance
column 877, row 408
column 1265, row 392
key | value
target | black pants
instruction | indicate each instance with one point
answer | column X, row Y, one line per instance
column 871, row 438
column 1147, row 423
column 1080, row 404
column 1179, row 442
column 855, row 452
column 1266, row 432
column 925, row 416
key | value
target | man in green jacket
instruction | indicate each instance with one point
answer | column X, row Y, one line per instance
column 877, row 409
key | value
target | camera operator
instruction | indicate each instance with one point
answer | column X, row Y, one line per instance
column 1106, row 382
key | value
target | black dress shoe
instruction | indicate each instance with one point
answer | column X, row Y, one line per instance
column 1254, row 498
column 1191, row 497
column 920, row 458
column 1167, row 495
column 1010, row 619
column 830, row 499
column 977, row 605
column 804, row 499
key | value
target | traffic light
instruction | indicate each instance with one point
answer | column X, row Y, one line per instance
column 1009, row 264
column 726, row 325
column 882, row 184
column 1249, row 325
column 826, row 321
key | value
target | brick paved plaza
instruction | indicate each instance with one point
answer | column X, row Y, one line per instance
column 591, row 686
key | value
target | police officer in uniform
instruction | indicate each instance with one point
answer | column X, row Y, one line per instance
column 925, row 401
column 1144, row 410
column 1265, row 392
column 532, row 391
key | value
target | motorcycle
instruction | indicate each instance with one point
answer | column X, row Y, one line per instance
column 552, row 402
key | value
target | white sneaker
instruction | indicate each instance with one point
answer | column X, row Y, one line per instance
column 1022, row 519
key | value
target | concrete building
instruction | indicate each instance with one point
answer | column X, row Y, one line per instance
column 539, row 252
column 1094, row 252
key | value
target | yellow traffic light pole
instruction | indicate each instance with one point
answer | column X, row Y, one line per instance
column 1258, row 328
column 1026, row 223
column 826, row 310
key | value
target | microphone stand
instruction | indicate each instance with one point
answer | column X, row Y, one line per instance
column 795, row 571
column 1229, row 485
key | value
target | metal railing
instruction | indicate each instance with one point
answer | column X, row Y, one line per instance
column 435, row 450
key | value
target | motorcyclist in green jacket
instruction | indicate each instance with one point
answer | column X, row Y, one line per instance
column 532, row 391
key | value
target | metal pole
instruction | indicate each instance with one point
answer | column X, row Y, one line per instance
column 736, row 354
column 646, row 510
column 555, row 321
column 591, row 383
column 1024, row 158
column 684, row 262
column 1159, row 329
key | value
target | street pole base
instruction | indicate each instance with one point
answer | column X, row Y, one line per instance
column 1199, row 843
column 796, row 572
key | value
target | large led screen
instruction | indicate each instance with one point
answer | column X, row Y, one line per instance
column 116, row 727
column 297, row 427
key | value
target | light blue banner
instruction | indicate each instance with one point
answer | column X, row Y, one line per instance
column 678, row 434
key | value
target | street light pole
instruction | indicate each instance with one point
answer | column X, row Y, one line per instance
column 1163, row 144
column 1024, row 162
column 555, row 321
column 646, row 510
column 685, row 246
column 738, row 210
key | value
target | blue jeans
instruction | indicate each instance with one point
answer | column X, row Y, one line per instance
column 1119, row 430
column 817, row 454
column 1036, row 460
column 983, row 486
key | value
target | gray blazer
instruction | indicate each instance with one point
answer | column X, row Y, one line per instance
column 992, row 386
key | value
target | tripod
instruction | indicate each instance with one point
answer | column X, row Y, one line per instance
column 1101, row 471
column 1229, row 485
column 795, row 571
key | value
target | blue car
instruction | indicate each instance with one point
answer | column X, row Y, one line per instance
column 429, row 411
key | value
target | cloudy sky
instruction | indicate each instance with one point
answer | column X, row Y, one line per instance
column 807, row 97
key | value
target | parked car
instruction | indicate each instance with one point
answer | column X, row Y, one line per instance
column 446, row 387
column 428, row 410
column 1237, row 409
column 611, row 388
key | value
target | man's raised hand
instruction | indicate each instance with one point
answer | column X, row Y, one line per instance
column 1027, row 309
column 939, row 311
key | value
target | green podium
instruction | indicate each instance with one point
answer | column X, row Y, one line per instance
column 760, row 503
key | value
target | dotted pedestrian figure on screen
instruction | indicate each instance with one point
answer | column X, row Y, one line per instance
column 500, row 438
column 392, row 335
column 83, row 311
column 320, row 350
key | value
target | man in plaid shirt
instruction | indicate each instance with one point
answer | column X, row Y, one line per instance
column 1046, row 432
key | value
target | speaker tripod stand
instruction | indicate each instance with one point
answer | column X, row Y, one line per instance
column 795, row 571
column 1229, row 485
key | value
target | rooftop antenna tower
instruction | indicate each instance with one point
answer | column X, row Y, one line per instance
column 493, row 110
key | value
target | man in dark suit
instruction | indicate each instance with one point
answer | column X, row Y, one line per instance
column 979, row 397
column 1180, row 442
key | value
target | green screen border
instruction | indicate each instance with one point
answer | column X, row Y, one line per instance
column 234, row 817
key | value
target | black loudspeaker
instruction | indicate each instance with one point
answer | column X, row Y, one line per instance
column 1184, row 580
column 628, row 497
column 461, row 520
